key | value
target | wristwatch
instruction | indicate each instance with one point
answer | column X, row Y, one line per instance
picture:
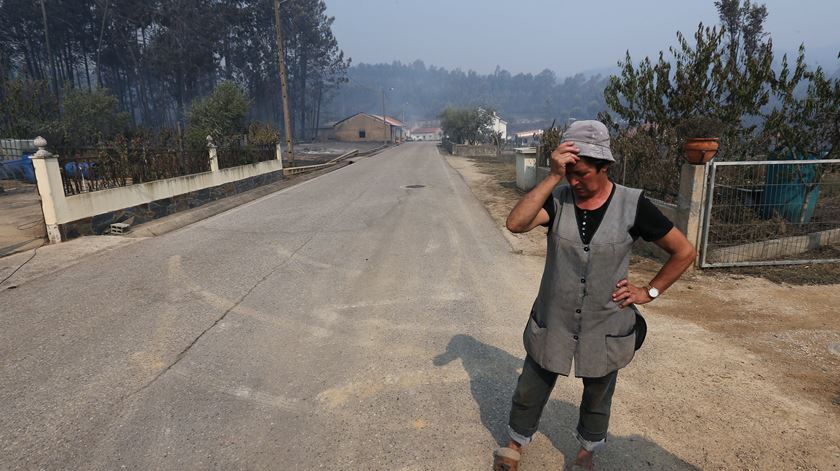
column 652, row 292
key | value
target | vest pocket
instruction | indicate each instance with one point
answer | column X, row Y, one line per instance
column 620, row 350
column 534, row 339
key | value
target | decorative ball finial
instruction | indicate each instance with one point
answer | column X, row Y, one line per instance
column 42, row 153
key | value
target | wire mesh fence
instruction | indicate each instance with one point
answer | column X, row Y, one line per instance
column 659, row 178
column 772, row 213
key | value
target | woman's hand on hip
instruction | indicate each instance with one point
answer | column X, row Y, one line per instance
column 627, row 294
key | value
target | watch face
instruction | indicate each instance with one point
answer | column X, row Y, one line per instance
column 653, row 292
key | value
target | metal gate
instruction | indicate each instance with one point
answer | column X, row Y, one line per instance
column 779, row 212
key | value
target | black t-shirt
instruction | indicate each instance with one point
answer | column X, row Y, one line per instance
column 650, row 223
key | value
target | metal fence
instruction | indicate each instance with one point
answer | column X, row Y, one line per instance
column 85, row 169
column 771, row 213
column 658, row 177
column 236, row 154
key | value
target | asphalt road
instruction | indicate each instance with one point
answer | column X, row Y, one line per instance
column 351, row 322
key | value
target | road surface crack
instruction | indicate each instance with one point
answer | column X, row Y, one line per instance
column 186, row 349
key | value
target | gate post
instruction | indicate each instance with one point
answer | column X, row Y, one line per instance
column 278, row 153
column 690, row 203
column 50, row 187
column 212, row 153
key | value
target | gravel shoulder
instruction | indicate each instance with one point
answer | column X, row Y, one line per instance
column 739, row 372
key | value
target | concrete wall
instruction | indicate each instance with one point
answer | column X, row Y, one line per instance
column 483, row 150
column 98, row 202
column 138, row 214
column 60, row 211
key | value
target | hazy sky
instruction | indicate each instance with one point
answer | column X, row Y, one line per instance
column 564, row 36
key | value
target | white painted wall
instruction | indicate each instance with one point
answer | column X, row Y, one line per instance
column 60, row 209
column 100, row 202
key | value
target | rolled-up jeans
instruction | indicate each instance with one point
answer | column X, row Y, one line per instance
column 532, row 392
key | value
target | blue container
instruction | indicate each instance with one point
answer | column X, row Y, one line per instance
column 21, row 169
column 79, row 169
column 786, row 187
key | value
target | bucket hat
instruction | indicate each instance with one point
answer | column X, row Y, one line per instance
column 591, row 137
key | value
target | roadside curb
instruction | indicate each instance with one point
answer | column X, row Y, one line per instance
column 178, row 220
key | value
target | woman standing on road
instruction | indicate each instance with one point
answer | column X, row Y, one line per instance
column 584, row 312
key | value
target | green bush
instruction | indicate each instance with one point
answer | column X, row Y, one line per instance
column 91, row 117
column 220, row 115
column 28, row 109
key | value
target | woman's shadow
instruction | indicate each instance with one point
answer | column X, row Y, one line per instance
column 493, row 373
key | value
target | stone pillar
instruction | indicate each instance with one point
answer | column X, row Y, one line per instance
column 214, row 156
column 50, row 187
column 278, row 152
column 691, row 201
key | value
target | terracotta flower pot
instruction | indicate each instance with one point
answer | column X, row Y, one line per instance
column 699, row 150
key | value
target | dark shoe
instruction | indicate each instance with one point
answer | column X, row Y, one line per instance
column 506, row 459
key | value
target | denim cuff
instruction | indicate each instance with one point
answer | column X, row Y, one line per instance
column 518, row 438
column 589, row 445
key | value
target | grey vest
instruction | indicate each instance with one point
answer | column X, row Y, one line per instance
column 574, row 316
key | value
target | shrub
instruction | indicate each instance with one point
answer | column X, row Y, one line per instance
column 91, row 117
column 699, row 127
column 220, row 115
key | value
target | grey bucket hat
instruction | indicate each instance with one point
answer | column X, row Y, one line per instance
column 592, row 138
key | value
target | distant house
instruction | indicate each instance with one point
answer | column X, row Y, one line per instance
column 364, row 127
column 426, row 134
column 497, row 124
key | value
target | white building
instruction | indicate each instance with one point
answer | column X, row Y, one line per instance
column 497, row 124
column 426, row 134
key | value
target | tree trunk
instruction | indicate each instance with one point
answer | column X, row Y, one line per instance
column 87, row 69
column 302, row 69
column 317, row 117
column 130, row 87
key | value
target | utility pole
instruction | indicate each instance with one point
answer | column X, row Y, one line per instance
column 384, row 124
column 281, row 51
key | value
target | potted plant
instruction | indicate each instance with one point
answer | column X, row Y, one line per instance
column 700, row 135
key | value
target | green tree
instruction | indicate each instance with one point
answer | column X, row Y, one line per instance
column 725, row 73
column 809, row 122
column 466, row 125
column 91, row 117
column 28, row 109
column 220, row 115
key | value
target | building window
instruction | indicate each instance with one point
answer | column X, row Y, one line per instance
column 361, row 134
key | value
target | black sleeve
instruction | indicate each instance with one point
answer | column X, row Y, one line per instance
column 650, row 223
column 548, row 206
